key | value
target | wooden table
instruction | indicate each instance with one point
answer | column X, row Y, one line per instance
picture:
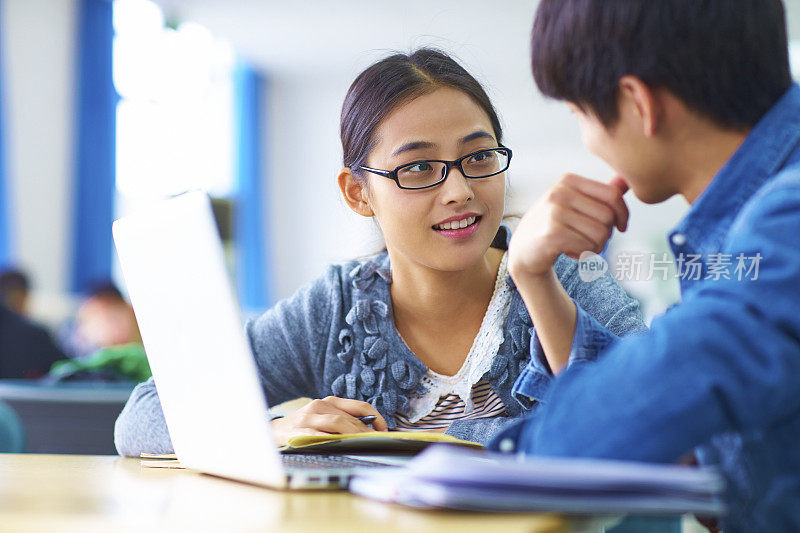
column 108, row 493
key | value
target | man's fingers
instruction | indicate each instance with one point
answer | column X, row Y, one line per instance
column 592, row 230
column 622, row 185
column 577, row 239
column 611, row 195
column 587, row 205
column 619, row 183
column 621, row 208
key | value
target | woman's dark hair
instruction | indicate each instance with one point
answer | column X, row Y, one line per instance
column 398, row 79
column 725, row 59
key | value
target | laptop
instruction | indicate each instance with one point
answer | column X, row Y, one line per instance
column 216, row 411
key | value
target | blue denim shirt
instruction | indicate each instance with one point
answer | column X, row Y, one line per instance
column 719, row 372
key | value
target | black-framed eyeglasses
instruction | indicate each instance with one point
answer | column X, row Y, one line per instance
column 432, row 172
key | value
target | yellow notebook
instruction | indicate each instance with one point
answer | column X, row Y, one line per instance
column 371, row 442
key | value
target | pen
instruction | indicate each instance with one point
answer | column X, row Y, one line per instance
column 368, row 420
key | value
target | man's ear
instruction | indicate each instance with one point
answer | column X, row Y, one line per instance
column 354, row 193
column 636, row 96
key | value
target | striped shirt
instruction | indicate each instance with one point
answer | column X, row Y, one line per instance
column 449, row 408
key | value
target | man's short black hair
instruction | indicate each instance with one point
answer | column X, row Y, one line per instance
column 725, row 59
column 13, row 280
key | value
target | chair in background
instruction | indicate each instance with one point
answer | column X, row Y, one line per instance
column 72, row 418
column 643, row 524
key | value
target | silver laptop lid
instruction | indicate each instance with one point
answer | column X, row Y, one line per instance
column 173, row 263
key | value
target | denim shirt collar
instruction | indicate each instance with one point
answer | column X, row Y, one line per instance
column 765, row 149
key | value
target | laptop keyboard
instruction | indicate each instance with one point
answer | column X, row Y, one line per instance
column 296, row 460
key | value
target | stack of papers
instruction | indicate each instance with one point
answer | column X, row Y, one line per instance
column 457, row 478
column 153, row 460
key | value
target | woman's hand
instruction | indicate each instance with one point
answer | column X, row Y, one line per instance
column 576, row 215
column 326, row 416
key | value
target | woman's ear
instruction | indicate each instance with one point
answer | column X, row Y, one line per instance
column 354, row 193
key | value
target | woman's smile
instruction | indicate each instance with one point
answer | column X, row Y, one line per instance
column 459, row 227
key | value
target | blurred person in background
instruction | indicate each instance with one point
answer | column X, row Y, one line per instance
column 26, row 349
column 102, row 341
column 104, row 319
column 15, row 290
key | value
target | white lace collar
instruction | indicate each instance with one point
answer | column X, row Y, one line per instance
column 478, row 361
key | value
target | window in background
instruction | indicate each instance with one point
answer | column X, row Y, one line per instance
column 6, row 248
column 175, row 112
column 794, row 58
column 190, row 116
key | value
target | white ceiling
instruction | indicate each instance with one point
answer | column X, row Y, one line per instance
column 323, row 35
column 331, row 34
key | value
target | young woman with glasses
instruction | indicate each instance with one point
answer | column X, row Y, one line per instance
column 431, row 333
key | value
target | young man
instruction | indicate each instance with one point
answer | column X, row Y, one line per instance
column 691, row 98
